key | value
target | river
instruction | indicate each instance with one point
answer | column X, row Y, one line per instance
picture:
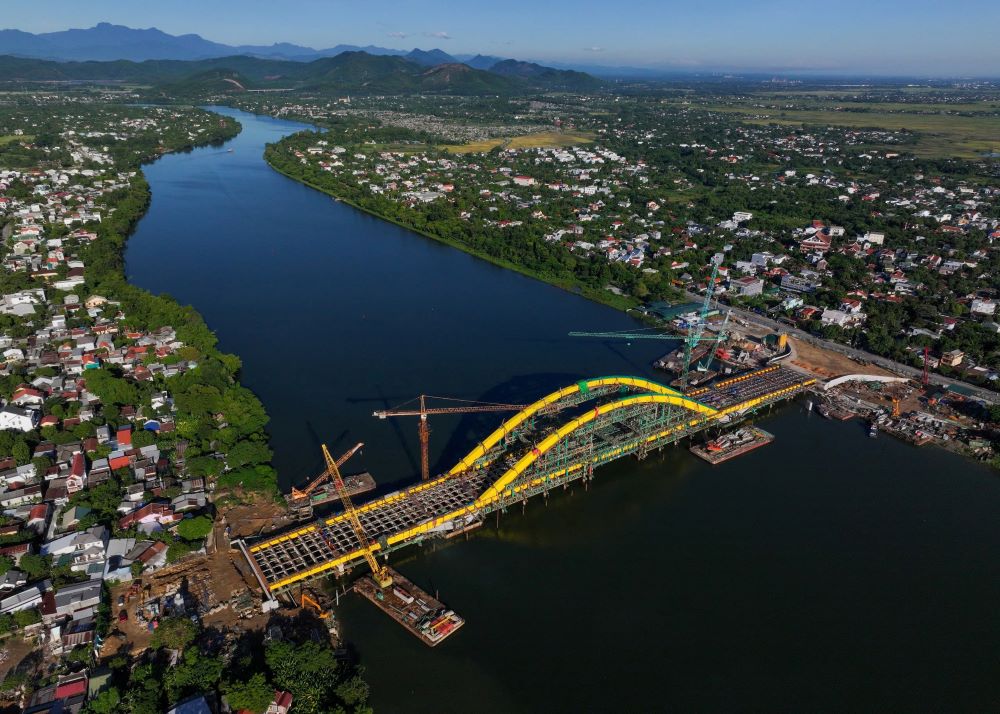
column 827, row 571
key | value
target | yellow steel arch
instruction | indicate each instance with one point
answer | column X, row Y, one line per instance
column 531, row 410
column 505, row 484
column 493, row 492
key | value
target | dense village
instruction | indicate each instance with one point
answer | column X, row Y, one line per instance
column 119, row 422
column 892, row 253
column 125, row 438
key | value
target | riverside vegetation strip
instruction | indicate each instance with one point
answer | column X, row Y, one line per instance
column 122, row 418
column 842, row 231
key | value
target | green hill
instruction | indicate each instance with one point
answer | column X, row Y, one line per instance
column 353, row 72
column 546, row 77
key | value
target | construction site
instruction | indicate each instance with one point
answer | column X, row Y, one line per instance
column 265, row 559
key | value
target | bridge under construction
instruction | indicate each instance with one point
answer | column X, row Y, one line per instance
column 560, row 438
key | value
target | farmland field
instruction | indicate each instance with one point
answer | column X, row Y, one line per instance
column 939, row 135
column 546, row 139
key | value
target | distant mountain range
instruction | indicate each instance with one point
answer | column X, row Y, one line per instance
column 105, row 41
column 353, row 72
column 151, row 56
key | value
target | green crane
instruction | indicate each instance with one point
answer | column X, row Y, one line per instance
column 694, row 335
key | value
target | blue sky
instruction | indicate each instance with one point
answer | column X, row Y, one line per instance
column 873, row 36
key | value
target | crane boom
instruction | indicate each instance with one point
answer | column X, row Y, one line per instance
column 382, row 414
column 379, row 572
column 634, row 335
column 718, row 339
column 424, row 431
column 297, row 494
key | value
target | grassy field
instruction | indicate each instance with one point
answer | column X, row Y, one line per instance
column 10, row 138
column 547, row 139
column 940, row 135
column 807, row 102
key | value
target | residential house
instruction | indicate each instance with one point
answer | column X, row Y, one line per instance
column 952, row 358
column 15, row 418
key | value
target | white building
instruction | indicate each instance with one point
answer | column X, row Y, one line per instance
column 983, row 307
column 16, row 418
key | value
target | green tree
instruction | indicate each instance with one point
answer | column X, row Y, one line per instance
column 246, row 453
column 243, row 410
column 175, row 633
column 41, row 464
column 308, row 670
column 106, row 702
column 21, row 452
column 23, row 618
column 194, row 672
column 143, row 438
column 253, row 695
column 34, row 566
column 194, row 528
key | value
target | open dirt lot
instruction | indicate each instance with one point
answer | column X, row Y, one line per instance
column 827, row 364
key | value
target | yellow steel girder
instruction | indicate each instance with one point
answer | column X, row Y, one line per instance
column 504, row 485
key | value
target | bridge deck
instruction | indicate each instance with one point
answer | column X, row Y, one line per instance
column 456, row 500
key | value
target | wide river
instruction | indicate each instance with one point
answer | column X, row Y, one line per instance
column 825, row 572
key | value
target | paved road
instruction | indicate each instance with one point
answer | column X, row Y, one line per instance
column 904, row 370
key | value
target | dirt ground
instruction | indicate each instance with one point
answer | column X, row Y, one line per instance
column 13, row 650
column 249, row 520
column 220, row 584
column 828, row 364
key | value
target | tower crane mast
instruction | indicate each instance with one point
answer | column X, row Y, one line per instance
column 694, row 334
column 423, row 428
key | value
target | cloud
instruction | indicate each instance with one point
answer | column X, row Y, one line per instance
column 593, row 49
column 438, row 35
column 397, row 35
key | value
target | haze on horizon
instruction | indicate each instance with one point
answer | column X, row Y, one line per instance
column 892, row 37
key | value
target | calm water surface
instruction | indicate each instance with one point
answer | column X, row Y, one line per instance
column 826, row 572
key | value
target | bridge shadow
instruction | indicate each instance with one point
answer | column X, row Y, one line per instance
column 470, row 429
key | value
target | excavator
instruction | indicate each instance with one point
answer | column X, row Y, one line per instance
column 308, row 600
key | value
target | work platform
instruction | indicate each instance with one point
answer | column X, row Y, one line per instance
column 420, row 614
column 560, row 438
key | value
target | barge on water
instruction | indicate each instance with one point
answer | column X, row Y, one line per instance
column 356, row 484
column 423, row 616
column 729, row 446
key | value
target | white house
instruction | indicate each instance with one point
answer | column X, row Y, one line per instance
column 85, row 550
column 983, row 307
column 748, row 286
column 16, row 418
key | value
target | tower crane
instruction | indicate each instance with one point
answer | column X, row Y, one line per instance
column 718, row 338
column 423, row 429
column 694, row 334
column 304, row 493
column 379, row 572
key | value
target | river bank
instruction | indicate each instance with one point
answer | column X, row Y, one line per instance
column 673, row 584
column 603, row 297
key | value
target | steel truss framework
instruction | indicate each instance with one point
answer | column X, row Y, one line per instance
column 559, row 439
